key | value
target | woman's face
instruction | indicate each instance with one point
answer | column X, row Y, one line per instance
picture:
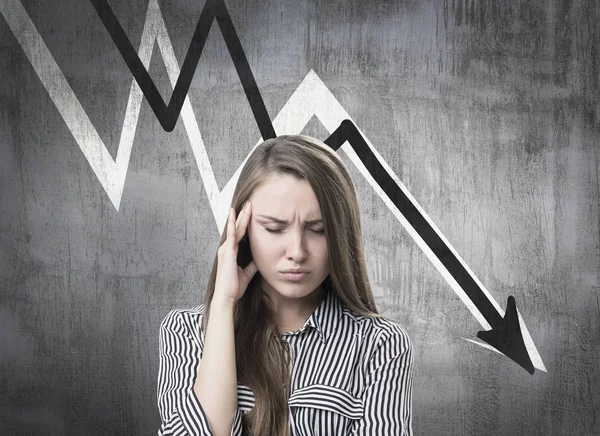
column 282, row 236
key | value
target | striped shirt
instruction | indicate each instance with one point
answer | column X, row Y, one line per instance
column 351, row 375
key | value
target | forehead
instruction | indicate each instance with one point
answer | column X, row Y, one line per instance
column 284, row 194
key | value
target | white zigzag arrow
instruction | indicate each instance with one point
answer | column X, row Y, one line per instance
column 311, row 98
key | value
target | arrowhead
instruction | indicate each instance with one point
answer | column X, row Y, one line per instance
column 506, row 337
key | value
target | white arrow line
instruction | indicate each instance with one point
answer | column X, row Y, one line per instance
column 311, row 98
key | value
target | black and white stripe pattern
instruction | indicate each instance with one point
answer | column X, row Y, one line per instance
column 351, row 375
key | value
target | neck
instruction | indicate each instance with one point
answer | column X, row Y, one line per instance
column 292, row 313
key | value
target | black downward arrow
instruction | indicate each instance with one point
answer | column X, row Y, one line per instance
column 168, row 115
column 505, row 335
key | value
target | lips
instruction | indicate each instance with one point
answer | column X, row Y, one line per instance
column 294, row 277
column 294, row 271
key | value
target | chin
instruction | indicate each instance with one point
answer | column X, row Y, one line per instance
column 297, row 291
column 293, row 290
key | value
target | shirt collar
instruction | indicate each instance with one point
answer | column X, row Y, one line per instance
column 326, row 316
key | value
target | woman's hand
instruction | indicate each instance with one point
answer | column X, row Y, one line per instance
column 232, row 280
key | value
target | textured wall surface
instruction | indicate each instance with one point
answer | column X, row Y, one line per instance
column 487, row 110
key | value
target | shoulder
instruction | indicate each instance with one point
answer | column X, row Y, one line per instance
column 382, row 332
column 187, row 320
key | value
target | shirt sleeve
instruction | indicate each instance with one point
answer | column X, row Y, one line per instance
column 179, row 358
column 387, row 395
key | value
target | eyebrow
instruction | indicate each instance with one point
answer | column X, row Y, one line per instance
column 278, row 221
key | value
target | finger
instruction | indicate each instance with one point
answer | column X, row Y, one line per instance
column 250, row 269
column 231, row 227
column 243, row 220
column 239, row 217
column 248, row 272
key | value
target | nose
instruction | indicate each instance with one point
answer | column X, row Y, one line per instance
column 296, row 249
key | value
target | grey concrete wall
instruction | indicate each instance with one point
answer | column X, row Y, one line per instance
column 486, row 110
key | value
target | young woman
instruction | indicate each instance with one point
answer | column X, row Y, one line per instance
column 288, row 340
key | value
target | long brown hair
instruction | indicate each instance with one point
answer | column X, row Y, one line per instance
column 262, row 356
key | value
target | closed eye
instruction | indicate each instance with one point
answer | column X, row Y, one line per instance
column 320, row 232
column 273, row 231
